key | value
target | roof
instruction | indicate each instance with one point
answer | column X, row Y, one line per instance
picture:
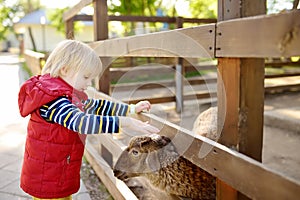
column 34, row 17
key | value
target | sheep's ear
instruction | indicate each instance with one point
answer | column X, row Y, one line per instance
column 152, row 161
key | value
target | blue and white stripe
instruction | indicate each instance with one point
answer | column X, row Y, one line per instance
column 99, row 116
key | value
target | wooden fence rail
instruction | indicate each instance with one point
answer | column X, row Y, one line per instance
column 243, row 173
column 34, row 61
column 234, row 38
column 237, row 43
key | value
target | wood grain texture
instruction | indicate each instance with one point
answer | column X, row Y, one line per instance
column 193, row 42
column 276, row 35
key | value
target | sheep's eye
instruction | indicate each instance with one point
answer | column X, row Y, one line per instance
column 135, row 152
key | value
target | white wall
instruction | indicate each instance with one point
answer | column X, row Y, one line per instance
column 52, row 37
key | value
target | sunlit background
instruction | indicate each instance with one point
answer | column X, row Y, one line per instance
column 17, row 15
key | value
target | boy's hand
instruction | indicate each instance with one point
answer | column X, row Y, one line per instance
column 142, row 106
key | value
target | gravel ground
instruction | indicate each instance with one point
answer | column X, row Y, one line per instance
column 93, row 184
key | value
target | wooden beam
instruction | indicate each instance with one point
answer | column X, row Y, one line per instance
column 100, row 19
column 161, row 84
column 172, row 98
column 243, row 99
column 274, row 36
column 192, row 42
column 83, row 18
column 262, row 36
column 70, row 29
column 240, row 93
column 179, row 74
column 241, row 172
column 280, row 64
column 33, row 60
column 131, row 18
column 76, row 9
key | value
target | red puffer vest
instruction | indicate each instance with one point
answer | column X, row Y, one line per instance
column 53, row 154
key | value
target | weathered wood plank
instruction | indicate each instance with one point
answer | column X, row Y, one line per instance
column 277, row 40
column 101, row 33
column 75, row 9
column 172, row 98
column 243, row 99
column 69, row 28
column 100, row 19
column 276, row 35
column 125, row 18
column 192, row 42
column 239, row 171
column 131, row 18
column 238, row 100
column 33, row 61
column 161, row 84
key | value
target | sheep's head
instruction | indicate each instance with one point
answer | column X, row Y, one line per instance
column 143, row 155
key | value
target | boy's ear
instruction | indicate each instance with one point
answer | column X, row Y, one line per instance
column 64, row 71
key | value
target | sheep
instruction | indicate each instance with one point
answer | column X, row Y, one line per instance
column 155, row 157
column 206, row 124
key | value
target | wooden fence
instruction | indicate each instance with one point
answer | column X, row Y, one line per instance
column 34, row 61
column 240, row 45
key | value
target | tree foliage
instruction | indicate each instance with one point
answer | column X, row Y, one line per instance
column 197, row 8
column 204, row 8
column 10, row 12
column 132, row 7
column 55, row 17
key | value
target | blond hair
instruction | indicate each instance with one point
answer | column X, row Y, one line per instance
column 75, row 55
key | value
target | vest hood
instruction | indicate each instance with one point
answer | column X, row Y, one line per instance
column 41, row 89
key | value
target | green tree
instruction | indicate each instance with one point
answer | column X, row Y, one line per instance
column 11, row 12
column 55, row 17
column 204, row 8
column 133, row 7
column 8, row 14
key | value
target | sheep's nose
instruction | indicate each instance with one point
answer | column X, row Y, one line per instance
column 116, row 172
column 120, row 174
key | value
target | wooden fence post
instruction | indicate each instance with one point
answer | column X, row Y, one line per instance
column 242, row 99
column 100, row 20
column 70, row 28
column 179, row 74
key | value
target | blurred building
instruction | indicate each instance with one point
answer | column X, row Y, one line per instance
column 46, row 36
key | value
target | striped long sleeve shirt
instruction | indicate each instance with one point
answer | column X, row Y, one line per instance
column 99, row 115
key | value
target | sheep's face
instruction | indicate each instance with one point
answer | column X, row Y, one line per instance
column 140, row 157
